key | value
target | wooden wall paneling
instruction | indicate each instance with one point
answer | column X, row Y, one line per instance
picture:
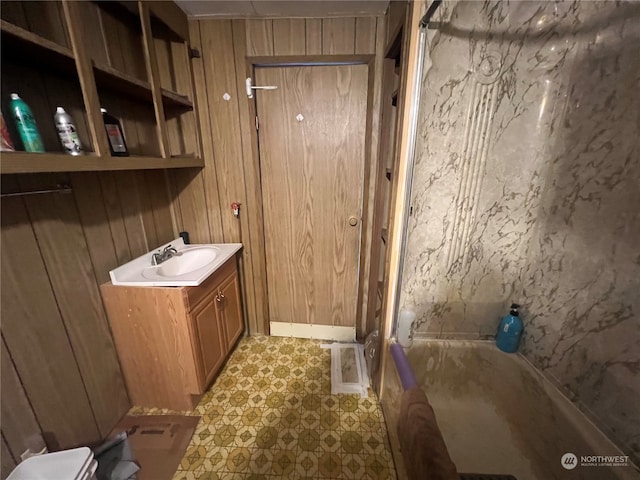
column 153, row 74
column 259, row 37
column 64, row 250
column 160, row 203
column 95, row 223
column 131, row 212
column 289, row 36
column 133, row 50
column 13, row 12
column 165, row 62
column 175, row 136
column 144, row 119
column 338, row 36
column 20, row 428
column 366, row 35
column 253, row 266
column 115, row 216
column 111, row 30
column 210, row 172
column 370, row 185
column 313, row 36
column 8, row 462
column 190, row 204
column 36, row 337
column 45, row 18
column 176, row 209
column 219, row 70
column 84, row 66
column 92, row 32
column 127, row 111
column 146, row 210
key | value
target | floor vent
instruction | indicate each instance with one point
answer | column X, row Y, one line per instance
column 348, row 369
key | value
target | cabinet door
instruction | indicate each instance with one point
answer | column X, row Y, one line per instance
column 231, row 309
column 209, row 339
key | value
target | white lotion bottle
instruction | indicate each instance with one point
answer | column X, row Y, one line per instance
column 67, row 132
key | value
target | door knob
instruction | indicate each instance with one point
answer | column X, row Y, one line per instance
column 353, row 221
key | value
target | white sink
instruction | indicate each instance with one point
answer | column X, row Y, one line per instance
column 192, row 267
column 188, row 260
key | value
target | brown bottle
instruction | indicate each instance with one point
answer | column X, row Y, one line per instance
column 117, row 144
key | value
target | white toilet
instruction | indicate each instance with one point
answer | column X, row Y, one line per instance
column 75, row 464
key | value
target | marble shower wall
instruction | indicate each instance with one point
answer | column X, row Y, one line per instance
column 526, row 189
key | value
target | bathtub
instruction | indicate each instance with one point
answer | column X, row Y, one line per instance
column 497, row 414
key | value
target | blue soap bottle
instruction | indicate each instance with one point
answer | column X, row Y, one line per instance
column 510, row 331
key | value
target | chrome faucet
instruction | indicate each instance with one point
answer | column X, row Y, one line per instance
column 166, row 254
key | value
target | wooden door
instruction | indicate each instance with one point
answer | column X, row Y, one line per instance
column 231, row 309
column 209, row 337
column 311, row 134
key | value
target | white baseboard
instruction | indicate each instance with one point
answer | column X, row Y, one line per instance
column 307, row 330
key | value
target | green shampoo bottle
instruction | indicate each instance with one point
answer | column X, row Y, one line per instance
column 26, row 125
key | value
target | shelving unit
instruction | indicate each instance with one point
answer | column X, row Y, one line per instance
column 111, row 79
column 88, row 55
column 34, row 46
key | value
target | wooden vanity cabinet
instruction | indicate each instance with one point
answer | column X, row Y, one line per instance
column 217, row 322
column 172, row 341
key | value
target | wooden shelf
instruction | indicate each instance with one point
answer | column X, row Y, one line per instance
column 22, row 45
column 173, row 99
column 26, row 162
column 112, row 79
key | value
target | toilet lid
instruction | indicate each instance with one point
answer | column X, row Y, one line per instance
column 64, row 465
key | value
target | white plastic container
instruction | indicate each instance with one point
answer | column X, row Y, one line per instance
column 75, row 464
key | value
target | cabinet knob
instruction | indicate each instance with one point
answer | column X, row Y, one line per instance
column 221, row 295
column 353, row 221
column 218, row 299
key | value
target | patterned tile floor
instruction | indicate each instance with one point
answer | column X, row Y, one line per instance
column 270, row 415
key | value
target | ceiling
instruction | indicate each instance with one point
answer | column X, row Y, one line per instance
column 275, row 9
